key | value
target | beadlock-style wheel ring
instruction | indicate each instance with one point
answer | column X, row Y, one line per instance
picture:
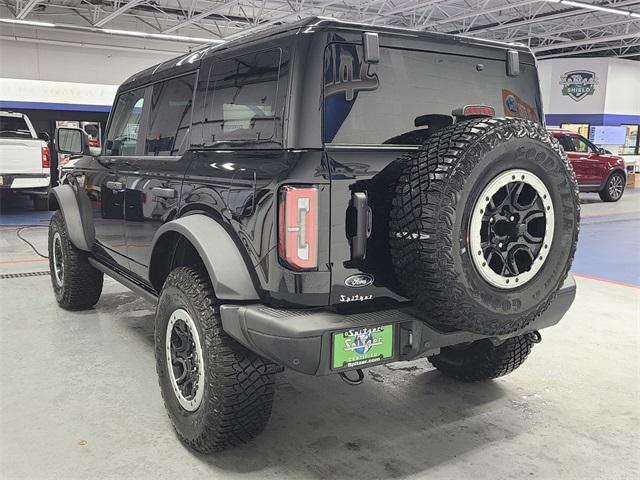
column 185, row 361
column 511, row 229
column 58, row 260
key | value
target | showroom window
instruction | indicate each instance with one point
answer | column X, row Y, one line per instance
column 241, row 99
column 122, row 139
column 170, row 116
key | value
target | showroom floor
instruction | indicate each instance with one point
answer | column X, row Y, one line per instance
column 79, row 397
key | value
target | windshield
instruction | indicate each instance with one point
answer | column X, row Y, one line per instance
column 14, row 127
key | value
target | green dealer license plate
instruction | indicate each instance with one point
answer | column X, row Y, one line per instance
column 360, row 346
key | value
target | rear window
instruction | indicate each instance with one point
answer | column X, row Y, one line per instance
column 14, row 127
column 378, row 103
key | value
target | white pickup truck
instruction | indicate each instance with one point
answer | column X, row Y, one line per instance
column 25, row 159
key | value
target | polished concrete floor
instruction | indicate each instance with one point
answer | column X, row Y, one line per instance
column 79, row 397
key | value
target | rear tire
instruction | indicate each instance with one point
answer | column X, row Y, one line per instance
column 613, row 189
column 223, row 399
column 482, row 360
column 76, row 284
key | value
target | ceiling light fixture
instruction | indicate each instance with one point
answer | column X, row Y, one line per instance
column 27, row 22
column 160, row 36
column 591, row 6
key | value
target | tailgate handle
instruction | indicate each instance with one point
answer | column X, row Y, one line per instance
column 363, row 225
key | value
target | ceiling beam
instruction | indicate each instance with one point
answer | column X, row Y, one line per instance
column 636, row 54
column 560, row 30
column 27, row 8
column 477, row 13
column 127, row 6
column 275, row 21
column 541, row 18
column 582, row 52
column 586, row 41
column 202, row 15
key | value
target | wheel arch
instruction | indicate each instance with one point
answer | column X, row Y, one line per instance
column 612, row 172
column 179, row 242
column 77, row 215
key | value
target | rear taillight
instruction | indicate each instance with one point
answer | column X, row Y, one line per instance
column 46, row 157
column 298, row 227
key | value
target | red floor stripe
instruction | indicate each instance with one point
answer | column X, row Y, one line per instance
column 24, row 260
column 605, row 280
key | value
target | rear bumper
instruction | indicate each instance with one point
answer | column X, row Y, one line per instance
column 26, row 183
column 302, row 339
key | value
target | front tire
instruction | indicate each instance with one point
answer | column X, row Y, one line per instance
column 482, row 360
column 76, row 284
column 613, row 189
column 217, row 393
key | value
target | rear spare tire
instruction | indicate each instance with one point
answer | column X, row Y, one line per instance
column 484, row 225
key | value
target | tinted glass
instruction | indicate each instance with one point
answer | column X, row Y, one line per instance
column 122, row 138
column 379, row 103
column 13, row 127
column 170, row 116
column 566, row 143
column 241, row 99
column 581, row 145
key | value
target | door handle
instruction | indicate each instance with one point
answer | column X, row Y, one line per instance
column 114, row 185
column 164, row 192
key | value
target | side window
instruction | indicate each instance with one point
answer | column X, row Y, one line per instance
column 566, row 143
column 243, row 104
column 122, row 138
column 581, row 145
column 170, row 116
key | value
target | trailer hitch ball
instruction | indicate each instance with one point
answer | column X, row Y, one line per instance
column 350, row 381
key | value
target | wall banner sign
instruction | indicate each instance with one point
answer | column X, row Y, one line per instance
column 577, row 84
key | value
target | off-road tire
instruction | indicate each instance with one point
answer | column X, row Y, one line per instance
column 81, row 283
column 605, row 194
column 482, row 360
column 239, row 385
column 429, row 222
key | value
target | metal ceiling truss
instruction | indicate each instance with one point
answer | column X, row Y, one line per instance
column 552, row 28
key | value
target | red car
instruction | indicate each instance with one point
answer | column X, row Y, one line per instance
column 597, row 169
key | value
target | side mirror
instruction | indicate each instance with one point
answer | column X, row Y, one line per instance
column 73, row 141
column 44, row 136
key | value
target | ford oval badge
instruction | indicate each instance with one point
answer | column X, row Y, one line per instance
column 359, row 280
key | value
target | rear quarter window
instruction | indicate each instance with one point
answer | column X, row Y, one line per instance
column 374, row 103
column 241, row 99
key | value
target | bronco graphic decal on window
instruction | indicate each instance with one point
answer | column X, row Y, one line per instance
column 345, row 74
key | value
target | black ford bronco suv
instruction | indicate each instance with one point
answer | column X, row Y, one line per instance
column 323, row 196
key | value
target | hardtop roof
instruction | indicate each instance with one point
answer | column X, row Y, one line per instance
column 189, row 61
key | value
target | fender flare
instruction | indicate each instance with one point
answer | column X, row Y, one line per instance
column 222, row 259
column 77, row 215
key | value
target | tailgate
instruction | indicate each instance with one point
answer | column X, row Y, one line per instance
column 20, row 156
